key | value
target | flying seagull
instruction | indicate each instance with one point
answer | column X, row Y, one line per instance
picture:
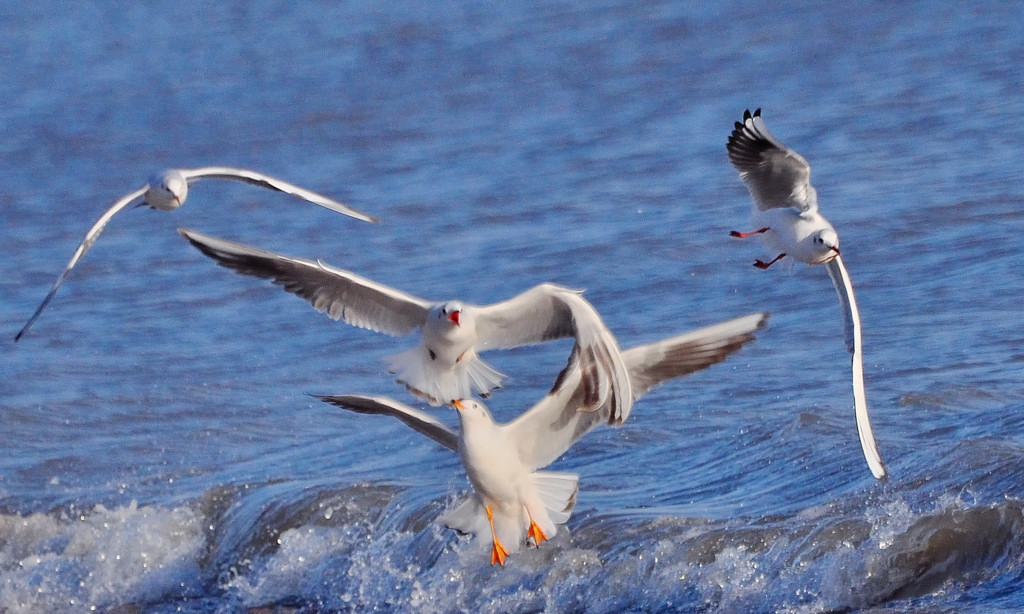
column 445, row 365
column 786, row 216
column 168, row 190
column 511, row 497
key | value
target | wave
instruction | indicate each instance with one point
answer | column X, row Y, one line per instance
column 379, row 546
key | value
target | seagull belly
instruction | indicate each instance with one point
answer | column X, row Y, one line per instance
column 498, row 478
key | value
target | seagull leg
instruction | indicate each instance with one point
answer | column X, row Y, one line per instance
column 535, row 531
column 498, row 552
column 761, row 264
column 744, row 235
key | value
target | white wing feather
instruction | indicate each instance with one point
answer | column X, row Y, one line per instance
column 259, row 179
column 90, row 238
column 851, row 321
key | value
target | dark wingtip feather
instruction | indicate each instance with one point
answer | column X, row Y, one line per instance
column 745, row 145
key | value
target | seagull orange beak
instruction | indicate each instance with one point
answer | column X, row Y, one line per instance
column 458, row 404
column 827, row 258
column 453, row 317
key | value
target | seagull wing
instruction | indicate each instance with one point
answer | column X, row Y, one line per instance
column 340, row 294
column 553, row 425
column 540, row 314
column 652, row 364
column 851, row 325
column 272, row 183
column 549, row 311
column 417, row 420
column 90, row 238
column 776, row 176
column 841, row 281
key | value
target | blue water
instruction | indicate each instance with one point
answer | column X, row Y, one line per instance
column 161, row 453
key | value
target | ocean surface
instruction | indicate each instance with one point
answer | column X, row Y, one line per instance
column 160, row 452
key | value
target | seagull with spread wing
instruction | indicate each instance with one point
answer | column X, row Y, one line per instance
column 445, row 365
column 168, row 190
column 786, row 216
column 511, row 497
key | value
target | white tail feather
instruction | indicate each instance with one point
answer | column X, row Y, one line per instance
column 438, row 385
column 557, row 493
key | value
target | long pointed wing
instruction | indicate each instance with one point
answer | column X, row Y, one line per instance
column 841, row 282
column 340, row 294
column 415, row 419
column 549, row 311
column 272, row 183
column 554, row 424
column 776, row 175
column 851, row 324
column 90, row 238
column 652, row 364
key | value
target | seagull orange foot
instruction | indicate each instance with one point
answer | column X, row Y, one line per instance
column 498, row 552
column 536, row 533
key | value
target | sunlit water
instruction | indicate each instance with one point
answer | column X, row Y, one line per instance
column 160, row 450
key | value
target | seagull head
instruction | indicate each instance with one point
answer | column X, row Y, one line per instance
column 452, row 311
column 471, row 410
column 827, row 241
column 167, row 191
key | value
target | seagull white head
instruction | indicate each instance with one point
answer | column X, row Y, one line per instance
column 451, row 311
column 167, row 191
column 472, row 411
column 827, row 241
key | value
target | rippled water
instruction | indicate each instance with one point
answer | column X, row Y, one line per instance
column 162, row 454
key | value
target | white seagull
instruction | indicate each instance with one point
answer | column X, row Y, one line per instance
column 786, row 216
column 445, row 366
column 168, row 190
column 511, row 498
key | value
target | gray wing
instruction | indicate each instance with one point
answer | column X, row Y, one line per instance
column 90, row 238
column 776, row 176
column 553, row 425
column 851, row 322
column 340, row 294
column 415, row 419
column 549, row 311
column 652, row 364
column 272, row 183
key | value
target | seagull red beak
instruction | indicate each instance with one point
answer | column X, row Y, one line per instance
column 453, row 317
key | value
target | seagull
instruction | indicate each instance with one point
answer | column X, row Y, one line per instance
column 445, row 366
column 786, row 215
column 512, row 499
column 168, row 190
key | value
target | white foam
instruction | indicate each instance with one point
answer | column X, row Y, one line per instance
column 98, row 558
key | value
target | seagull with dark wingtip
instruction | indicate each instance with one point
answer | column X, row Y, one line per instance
column 168, row 190
column 786, row 217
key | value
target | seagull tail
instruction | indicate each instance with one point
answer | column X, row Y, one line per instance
column 483, row 378
column 557, row 493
